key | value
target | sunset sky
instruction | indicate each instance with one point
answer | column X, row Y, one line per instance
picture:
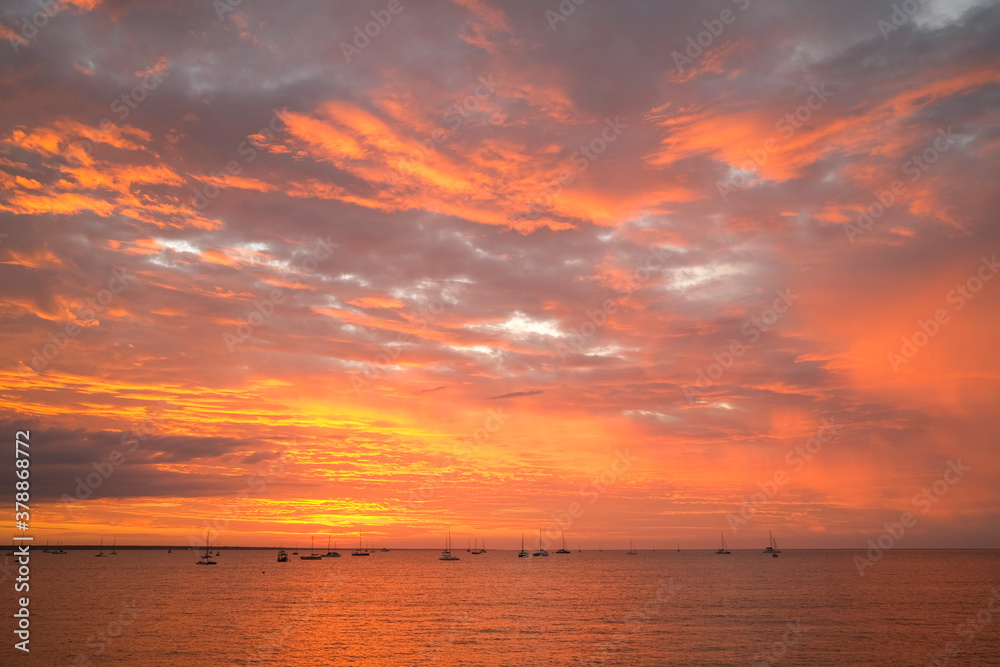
column 499, row 263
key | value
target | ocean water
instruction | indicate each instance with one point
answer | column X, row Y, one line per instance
column 591, row 608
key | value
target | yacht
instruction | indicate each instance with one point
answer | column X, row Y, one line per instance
column 101, row 554
column 359, row 551
column 331, row 553
column 631, row 550
column 564, row 550
column 312, row 552
column 773, row 547
column 446, row 552
column 522, row 553
column 540, row 551
column 207, row 558
column 723, row 550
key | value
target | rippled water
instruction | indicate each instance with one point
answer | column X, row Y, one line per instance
column 408, row 608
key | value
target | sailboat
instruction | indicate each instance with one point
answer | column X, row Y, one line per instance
column 446, row 552
column 331, row 553
column 59, row 551
column 678, row 547
column 631, row 550
column 564, row 550
column 207, row 558
column 359, row 551
column 113, row 541
column 723, row 549
column 312, row 552
column 522, row 553
column 773, row 547
column 479, row 550
column 541, row 551
column 101, row 553
column 282, row 556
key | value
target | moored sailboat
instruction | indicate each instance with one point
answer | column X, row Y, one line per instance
column 631, row 550
column 312, row 552
column 564, row 550
column 723, row 549
column 540, row 551
column 772, row 548
column 446, row 552
column 359, row 551
column 207, row 558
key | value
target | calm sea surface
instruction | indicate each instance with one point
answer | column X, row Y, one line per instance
column 591, row 608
